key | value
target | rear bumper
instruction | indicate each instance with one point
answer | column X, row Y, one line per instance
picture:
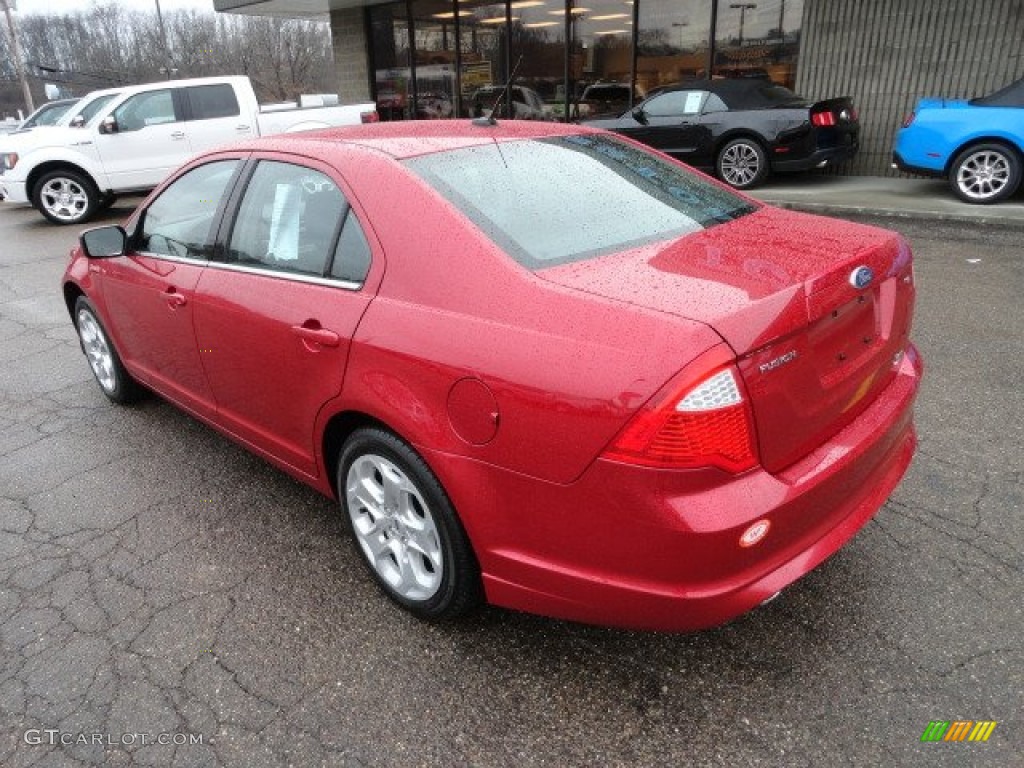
column 820, row 158
column 659, row 550
column 902, row 165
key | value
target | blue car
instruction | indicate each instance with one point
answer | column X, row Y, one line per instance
column 978, row 144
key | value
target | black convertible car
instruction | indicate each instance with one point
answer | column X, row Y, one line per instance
column 742, row 129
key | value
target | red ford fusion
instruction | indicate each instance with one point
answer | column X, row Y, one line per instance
column 540, row 366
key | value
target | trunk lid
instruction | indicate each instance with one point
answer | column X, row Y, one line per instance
column 814, row 350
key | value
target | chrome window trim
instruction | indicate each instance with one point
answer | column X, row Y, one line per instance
column 297, row 277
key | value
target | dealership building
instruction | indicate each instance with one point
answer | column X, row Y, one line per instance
column 429, row 58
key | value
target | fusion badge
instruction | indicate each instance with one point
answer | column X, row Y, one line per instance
column 861, row 277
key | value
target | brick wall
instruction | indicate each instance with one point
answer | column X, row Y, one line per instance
column 349, row 37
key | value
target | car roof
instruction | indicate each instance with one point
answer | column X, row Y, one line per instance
column 410, row 138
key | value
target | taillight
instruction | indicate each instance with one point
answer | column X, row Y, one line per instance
column 823, row 119
column 909, row 119
column 370, row 117
column 696, row 421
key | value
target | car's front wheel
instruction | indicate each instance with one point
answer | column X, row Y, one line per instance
column 405, row 527
column 985, row 173
column 114, row 380
column 742, row 163
column 65, row 197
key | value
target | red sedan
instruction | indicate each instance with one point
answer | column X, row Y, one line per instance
column 538, row 365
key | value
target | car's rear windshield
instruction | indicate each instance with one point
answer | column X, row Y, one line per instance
column 556, row 200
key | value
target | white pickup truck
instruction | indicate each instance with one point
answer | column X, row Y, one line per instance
column 141, row 134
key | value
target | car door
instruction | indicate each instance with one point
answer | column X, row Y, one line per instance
column 277, row 309
column 145, row 141
column 669, row 122
column 213, row 116
column 150, row 290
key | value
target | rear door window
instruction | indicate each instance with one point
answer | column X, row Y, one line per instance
column 206, row 102
column 287, row 221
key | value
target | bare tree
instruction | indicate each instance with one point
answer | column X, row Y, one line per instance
column 105, row 45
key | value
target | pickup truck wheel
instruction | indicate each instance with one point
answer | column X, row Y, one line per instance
column 742, row 164
column 985, row 173
column 65, row 197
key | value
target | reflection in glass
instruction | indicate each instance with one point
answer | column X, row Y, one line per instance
column 672, row 42
column 389, row 40
column 758, row 39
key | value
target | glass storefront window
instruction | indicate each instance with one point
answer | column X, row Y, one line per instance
column 538, row 36
column 434, row 35
column 758, row 39
column 484, row 55
column 389, row 41
column 672, row 42
column 452, row 59
column 603, row 61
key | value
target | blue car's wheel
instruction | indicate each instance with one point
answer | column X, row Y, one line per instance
column 985, row 173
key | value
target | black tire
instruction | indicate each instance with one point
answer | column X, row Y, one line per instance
column 742, row 163
column 106, row 202
column 416, row 521
column 65, row 197
column 114, row 381
column 985, row 173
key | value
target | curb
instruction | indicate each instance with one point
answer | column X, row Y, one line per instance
column 867, row 210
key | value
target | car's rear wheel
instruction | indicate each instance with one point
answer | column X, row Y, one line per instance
column 405, row 527
column 742, row 163
column 116, row 383
column 985, row 173
column 65, row 197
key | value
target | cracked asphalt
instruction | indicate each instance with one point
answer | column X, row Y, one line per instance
column 157, row 579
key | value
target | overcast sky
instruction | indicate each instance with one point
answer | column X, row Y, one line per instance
column 70, row 6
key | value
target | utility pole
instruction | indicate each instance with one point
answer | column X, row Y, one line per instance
column 19, row 65
column 163, row 41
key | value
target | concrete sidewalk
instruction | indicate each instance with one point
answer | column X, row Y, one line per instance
column 879, row 196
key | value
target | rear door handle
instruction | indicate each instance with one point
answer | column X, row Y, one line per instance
column 174, row 299
column 311, row 333
column 178, row 135
column 242, row 128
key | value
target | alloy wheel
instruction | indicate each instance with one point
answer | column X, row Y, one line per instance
column 740, row 164
column 394, row 527
column 97, row 350
column 983, row 175
column 64, row 199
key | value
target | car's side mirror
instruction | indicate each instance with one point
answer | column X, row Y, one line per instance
column 103, row 242
column 77, row 121
column 639, row 115
column 109, row 124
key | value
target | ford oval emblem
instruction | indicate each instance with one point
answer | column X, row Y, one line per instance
column 861, row 277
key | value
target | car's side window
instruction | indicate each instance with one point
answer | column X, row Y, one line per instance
column 352, row 256
column 287, row 220
column 178, row 222
column 714, row 103
column 207, row 102
column 675, row 104
column 144, row 109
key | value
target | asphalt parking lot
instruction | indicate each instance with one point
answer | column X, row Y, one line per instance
column 158, row 580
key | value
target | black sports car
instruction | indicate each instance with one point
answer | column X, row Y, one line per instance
column 742, row 128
